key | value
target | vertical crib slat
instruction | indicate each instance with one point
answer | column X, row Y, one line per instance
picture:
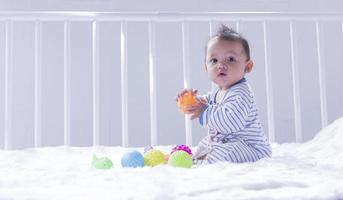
column 295, row 80
column 124, row 82
column 269, row 89
column 186, row 76
column 211, row 24
column 8, row 85
column 152, row 83
column 237, row 25
column 212, row 32
column 322, row 80
column 38, row 86
column 66, row 82
column 95, row 83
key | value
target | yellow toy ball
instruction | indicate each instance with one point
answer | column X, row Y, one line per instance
column 154, row 157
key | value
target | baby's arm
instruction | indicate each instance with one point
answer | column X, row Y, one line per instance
column 228, row 117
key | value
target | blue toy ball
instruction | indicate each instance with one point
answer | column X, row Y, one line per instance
column 132, row 159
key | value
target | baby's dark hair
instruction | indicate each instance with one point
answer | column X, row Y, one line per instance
column 226, row 33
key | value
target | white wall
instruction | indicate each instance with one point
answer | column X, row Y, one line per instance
column 169, row 71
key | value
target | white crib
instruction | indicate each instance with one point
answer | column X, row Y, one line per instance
column 90, row 79
column 97, row 78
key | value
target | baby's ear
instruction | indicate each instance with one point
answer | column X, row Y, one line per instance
column 248, row 66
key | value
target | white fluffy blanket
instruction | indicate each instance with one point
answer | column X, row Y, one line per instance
column 313, row 170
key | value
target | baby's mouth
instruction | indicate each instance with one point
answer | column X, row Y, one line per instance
column 222, row 74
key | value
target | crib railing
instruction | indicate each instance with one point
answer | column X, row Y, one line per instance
column 266, row 79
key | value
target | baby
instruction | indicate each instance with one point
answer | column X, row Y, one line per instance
column 229, row 112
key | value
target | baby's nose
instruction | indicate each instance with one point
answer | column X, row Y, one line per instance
column 222, row 65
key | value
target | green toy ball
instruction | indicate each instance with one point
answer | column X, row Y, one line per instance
column 154, row 157
column 180, row 159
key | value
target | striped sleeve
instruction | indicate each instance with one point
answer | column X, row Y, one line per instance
column 229, row 117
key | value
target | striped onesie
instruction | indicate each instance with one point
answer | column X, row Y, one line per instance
column 234, row 130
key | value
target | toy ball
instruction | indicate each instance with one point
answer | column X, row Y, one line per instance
column 154, row 157
column 182, row 148
column 180, row 159
column 132, row 159
column 187, row 99
column 101, row 163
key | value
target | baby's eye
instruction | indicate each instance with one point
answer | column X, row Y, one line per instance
column 213, row 60
column 231, row 59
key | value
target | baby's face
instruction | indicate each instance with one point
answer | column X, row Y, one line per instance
column 226, row 62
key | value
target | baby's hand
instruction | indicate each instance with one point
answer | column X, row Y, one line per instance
column 182, row 92
column 195, row 108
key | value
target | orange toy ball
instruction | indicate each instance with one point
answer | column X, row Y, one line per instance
column 187, row 99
